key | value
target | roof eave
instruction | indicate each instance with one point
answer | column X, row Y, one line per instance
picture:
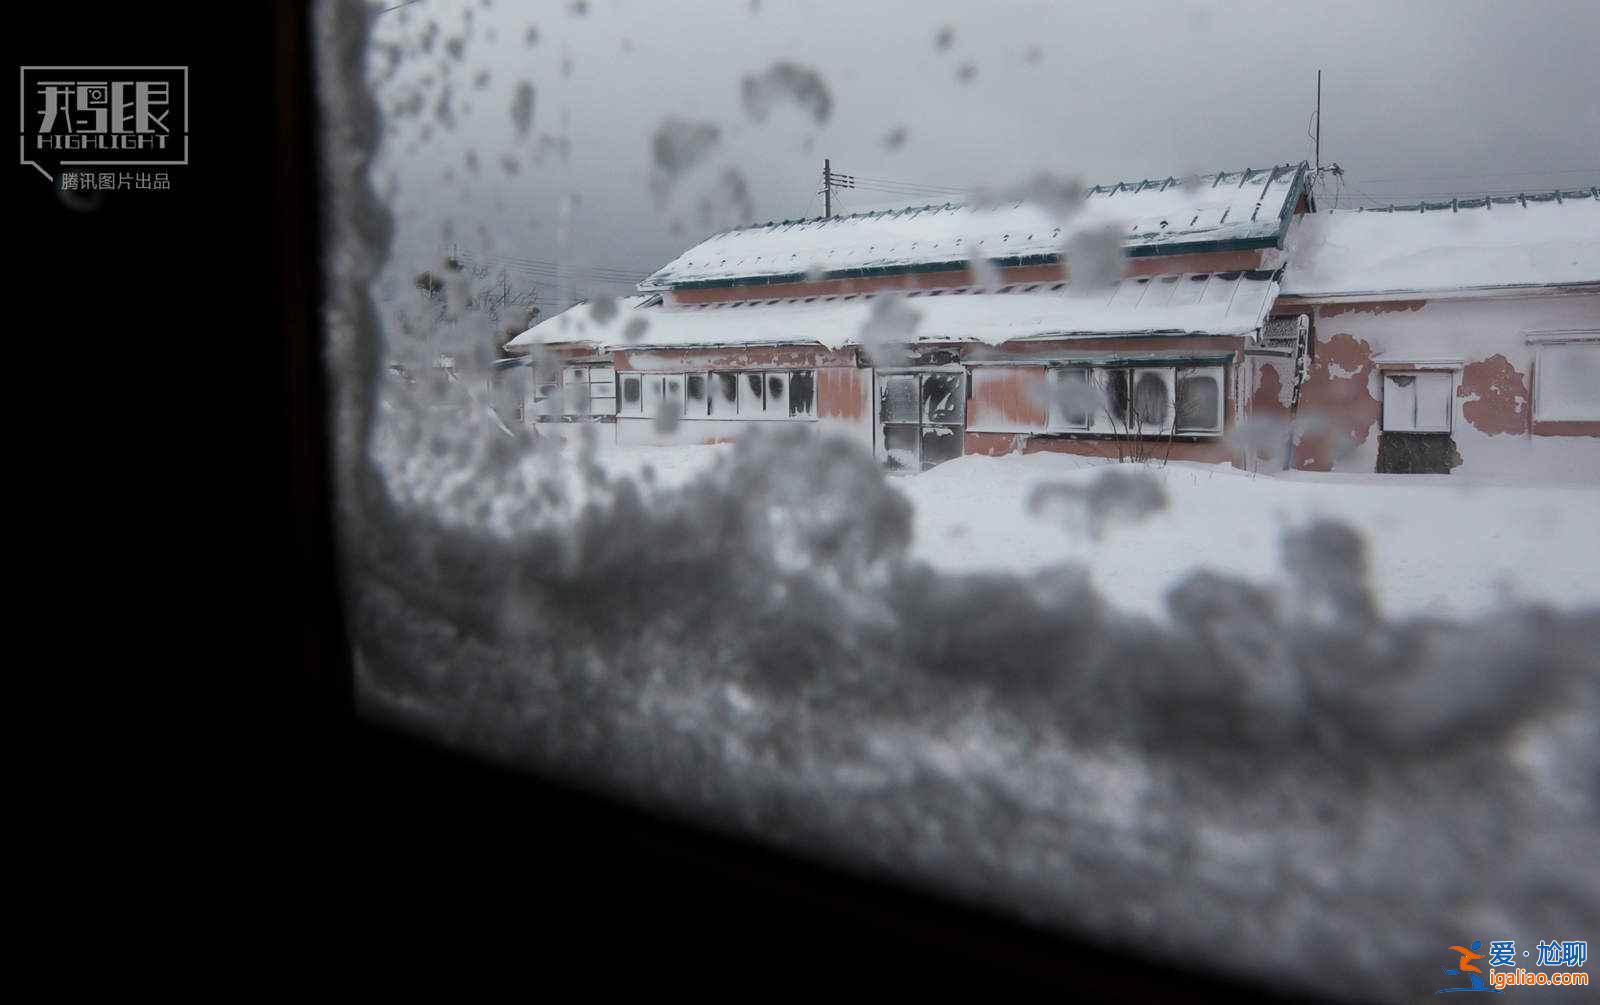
column 1502, row 290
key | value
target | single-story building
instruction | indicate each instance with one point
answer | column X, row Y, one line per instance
column 1231, row 321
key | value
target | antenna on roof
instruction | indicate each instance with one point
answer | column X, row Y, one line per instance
column 1316, row 143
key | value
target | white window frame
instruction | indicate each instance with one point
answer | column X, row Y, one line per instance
column 654, row 387
column 749, row 404
column 1054, row 421
column 810, row 413
column 1546, row 344
column 767, row 377
column 603, row 389
column 651, row 394
column 1102, row 424
column 672, row 391
column 718, row 408
column 623, row 408
column 1416, row 425
column 1102, row 421
column 704, row 410
column 1166, row 375
column 1218, row 377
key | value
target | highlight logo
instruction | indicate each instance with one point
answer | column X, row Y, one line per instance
column 1553, row 953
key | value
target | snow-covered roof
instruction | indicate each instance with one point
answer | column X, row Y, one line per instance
column 1248, row 208
column 1223, row 303
column 1445, row 246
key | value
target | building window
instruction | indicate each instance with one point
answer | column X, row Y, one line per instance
column 672, row 393
column 1147, row 400
column 653, row 395
column 602, row 390
column 1151, row 407
column 755, row 394
column 584, row 390
column 778, row 395
column 1417, row 401
column 943, row 398
column 1199, row 400
column 694, row 395
column 632, row 395
column 546, row 401
column 752, row 395
column 803, row 393
column 724, row 394
column 1070, row 399
column 1566, row 382
column 1112, row 415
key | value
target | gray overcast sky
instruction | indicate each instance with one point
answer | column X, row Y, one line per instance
column 1436, row 98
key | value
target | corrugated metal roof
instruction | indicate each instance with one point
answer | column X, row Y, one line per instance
column 1222, row 303
column 1248, row 208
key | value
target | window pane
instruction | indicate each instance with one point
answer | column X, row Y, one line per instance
column 802, row 392
column 940, row 443
column 778, row 395
column 653, row 395
column 1400, row 402
column 752, row 396
column 631, row 401
column 900, row 447
column 1199, row 395
column 1152, row 400
column 1071, row 399
column 1112, row 415
column 1433, row 401
column 1567, row 383
column 724, row 393
column 943, row 397
column 897, row 398
column 694, row 393
column 672, row 391
column 575, row 398
column 547, row 400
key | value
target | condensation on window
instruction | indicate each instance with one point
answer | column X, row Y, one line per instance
column 1265, row 762
column 802, row 389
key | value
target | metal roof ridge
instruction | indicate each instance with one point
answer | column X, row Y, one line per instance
column 1158, row 184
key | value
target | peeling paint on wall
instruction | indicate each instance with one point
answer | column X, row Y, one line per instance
column 1340, row 392
column 1496, row 396
column 1367, row 307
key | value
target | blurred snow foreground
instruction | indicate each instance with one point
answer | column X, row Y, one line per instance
column 1287, row 792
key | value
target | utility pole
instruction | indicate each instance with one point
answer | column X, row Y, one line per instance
column 830, row 181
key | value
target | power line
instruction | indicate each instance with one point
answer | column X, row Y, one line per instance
column 926, row 193
column 910, row 186
column 555, row 270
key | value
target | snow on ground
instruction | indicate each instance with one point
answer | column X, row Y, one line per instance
column 1438, row 544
